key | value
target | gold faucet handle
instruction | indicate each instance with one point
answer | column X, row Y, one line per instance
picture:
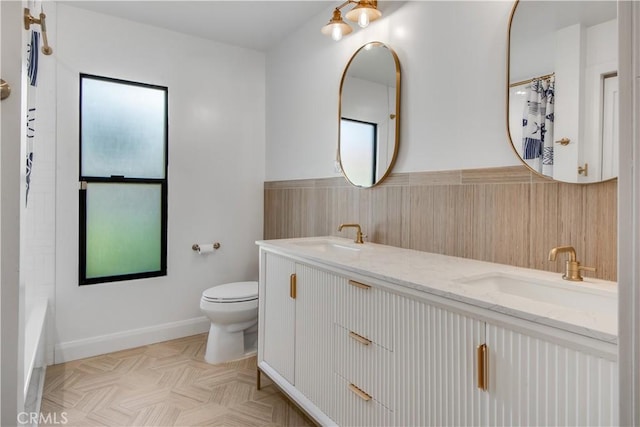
column 582, row 267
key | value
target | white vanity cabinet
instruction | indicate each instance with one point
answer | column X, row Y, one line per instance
column 364, row 340
column 277, row 316
column 542, row 381
column 295, row 331
column 417, row 366
column 436, row 367
column 314, row 352
column 355, row 350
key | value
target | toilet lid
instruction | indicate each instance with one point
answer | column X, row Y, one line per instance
column 232, row 292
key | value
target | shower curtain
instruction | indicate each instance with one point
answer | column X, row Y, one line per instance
column 537, row 124
column 33, row 51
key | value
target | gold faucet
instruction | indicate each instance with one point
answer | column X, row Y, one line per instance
column 573, row 267
column 359, row 234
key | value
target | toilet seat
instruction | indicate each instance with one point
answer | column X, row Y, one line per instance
column 232, row 292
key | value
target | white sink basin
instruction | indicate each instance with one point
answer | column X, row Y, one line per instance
column 328, row 246
column 580, row 296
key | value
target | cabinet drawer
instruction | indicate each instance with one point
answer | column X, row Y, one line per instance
column 367, row 311
column 366, row 364
column 353, row 410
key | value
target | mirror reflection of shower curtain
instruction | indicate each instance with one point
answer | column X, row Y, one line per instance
column 33, row 51
column 537, row 125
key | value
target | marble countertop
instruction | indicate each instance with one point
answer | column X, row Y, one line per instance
column 454, row 278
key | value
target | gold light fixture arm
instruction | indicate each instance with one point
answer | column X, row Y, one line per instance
column 41, row 20
column 363, row 12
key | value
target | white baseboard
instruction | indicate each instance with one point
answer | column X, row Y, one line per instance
column 80, row 349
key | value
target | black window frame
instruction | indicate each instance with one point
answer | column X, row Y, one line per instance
column 119, row 179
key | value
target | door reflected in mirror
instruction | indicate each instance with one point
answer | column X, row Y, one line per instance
column 562, row 112
column 369, row 115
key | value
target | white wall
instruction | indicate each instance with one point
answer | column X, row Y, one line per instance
column 38, row 216
column 37, row 233
column 629, row 214
column 601, row 58
column 452, row 113
column 11, row 311
column 569, row 100
column 216, row 174
column 370, row 102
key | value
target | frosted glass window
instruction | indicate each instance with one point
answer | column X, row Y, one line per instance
column 122, row 128
column 124, row 229
column 123, row 180
column 358, row 151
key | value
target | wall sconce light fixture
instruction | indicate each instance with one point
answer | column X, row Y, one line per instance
column 28, row 20
column 363, row 13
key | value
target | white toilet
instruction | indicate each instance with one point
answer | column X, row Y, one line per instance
column 233, row 311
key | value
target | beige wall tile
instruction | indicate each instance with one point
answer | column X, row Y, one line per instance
column 505, row 175
column 435, row 178
column 500, row 230
column 343, row 207
column 601, row 229
column 505, row 215
column 544, row 225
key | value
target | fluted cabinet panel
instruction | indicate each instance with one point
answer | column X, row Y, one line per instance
column 369, row 312
column 364, row 341
column 279, row 316
column 368, row 366
column 534, row 382
column 314, row 320
column 435, row 367
column 352, row 410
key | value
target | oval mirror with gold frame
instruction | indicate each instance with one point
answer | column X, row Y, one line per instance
column 562, row 88
column 369, row 115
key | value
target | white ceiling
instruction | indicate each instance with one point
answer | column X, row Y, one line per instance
column 255, row 25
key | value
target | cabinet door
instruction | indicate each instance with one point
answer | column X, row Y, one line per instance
column 436, row 367
column 314, row 328
column 278, row 314
column 537, row 382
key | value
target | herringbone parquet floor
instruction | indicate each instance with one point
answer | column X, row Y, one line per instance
column 164, row 384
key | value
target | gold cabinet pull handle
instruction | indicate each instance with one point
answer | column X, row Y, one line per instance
column 563, row 141
column 359, row 285
column 483, row 367
column 361, row 394
column 359, row 338
column 292, row 286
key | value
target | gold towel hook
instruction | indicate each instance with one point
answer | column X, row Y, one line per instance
column 28, row 20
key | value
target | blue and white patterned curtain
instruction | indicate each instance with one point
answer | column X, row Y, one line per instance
column 33, row 52
column 537, row 124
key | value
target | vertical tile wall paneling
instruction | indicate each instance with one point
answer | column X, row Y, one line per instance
column 601, row 228
column 506, row 215
column 390, row 215
column 544, row 225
